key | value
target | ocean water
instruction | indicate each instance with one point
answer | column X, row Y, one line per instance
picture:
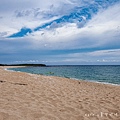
column 97, row 73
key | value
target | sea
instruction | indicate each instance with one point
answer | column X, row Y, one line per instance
column 109, row 74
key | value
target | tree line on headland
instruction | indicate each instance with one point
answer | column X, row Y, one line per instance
column 34, row 65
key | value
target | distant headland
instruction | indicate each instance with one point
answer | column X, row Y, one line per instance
column 34, row 65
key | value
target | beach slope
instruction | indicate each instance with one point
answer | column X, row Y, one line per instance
column 25, row 96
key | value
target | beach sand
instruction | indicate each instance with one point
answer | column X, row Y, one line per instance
column 25, row 96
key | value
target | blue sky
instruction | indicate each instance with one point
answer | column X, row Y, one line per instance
column 60, row 32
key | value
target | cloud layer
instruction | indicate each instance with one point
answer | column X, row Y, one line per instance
column 60, row 32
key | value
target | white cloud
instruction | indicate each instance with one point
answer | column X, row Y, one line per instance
column 102, row 31
column 98, row 56
column 106, row 20
column 105, row 53
column 12, row 5
column 33, row 13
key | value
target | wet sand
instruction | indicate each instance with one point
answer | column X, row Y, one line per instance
column 25, row 96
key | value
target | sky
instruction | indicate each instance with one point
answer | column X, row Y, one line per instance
column 60, row 32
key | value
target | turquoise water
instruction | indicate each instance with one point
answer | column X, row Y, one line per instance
column 106, row 74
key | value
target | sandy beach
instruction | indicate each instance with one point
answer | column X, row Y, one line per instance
column 25, row 96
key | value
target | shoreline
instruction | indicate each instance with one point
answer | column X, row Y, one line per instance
column 30, row 96
column 93, row 81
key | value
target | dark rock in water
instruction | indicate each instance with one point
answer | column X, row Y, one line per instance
column 50, row 73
